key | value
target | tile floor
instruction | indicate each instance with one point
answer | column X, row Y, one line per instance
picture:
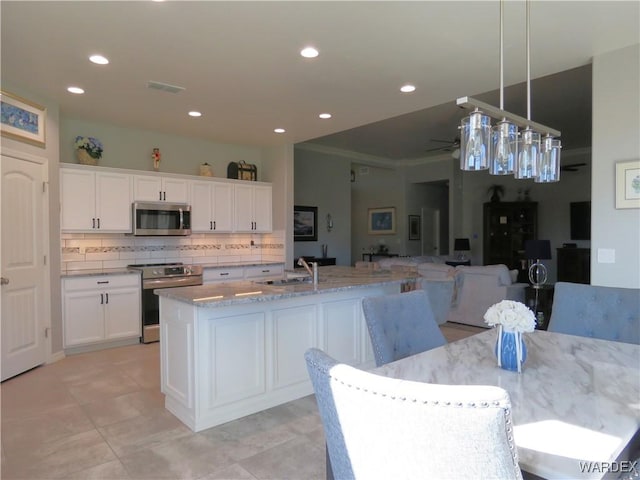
column 100, row 415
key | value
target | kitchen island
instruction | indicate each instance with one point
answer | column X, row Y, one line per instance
column 229, row 350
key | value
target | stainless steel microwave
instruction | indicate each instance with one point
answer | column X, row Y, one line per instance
column 161, row 218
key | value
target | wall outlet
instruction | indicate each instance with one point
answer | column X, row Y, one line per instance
column 606, row 255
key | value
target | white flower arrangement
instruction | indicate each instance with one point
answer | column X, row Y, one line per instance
column 90, row 144
column 513, row 316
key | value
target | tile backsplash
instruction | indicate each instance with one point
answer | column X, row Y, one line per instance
column 93, row 251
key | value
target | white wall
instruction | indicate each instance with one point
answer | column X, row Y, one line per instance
column 616, row 137
column 51, row 153
column 323, row 180
column 131, row 148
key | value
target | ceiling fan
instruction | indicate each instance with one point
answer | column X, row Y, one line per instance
column 448, row 145
column 572, row 167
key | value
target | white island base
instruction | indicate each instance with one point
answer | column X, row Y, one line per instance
column 222, row 362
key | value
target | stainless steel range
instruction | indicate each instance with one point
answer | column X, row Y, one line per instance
column 161, row 275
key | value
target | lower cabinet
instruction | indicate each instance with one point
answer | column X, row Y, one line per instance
column 223, row 362
column 234, row 274
column 100, row 309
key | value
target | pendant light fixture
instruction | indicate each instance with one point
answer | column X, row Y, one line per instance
column 529, row 142
column 510, row 152
column 504, row 135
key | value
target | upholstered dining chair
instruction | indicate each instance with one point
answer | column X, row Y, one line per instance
column 381, row 428
column 401, row 325
column 607, row 313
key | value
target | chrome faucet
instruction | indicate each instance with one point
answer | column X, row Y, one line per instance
column 313, row 270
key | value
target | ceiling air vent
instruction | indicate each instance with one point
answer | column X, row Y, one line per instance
column 165, row 87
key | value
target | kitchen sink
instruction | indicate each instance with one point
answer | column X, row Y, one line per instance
column 285, row 281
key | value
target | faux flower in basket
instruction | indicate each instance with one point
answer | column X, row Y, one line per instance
column 88, row 150
column 513, row 319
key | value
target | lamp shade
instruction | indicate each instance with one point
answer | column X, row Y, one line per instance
column 461, row 245
column 537, row 249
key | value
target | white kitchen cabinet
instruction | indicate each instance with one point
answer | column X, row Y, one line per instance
column 253, row 208
column 147, row 188
column 222, row 274
column 264, row 271
column 94, row 201
column 211, row 207
column 100, row 309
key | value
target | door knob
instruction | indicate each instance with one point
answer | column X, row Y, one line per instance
column 4, row 281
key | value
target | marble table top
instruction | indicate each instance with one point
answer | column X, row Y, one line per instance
column 577, row 399
column 332, row 279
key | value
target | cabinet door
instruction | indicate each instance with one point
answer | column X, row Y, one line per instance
column 83, row 317
column 77, row 200
column 243, row 206
column 201, row 207
column 222, row 207
column 175, row 190
column 264, row 271
column 342, row 330
column 122, row 313
column 262, row 208
column 147, row 189
column 113, row 202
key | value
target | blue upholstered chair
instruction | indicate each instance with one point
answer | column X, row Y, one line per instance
column 380, row 427
column 401, row 325
column 608, row 313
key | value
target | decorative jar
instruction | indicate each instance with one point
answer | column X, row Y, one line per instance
column 85, row 158
column 511, row 351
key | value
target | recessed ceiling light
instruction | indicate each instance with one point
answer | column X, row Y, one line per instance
column 76, row 90
column 325, row 115
column 279, row 130
column 99, row 59
column 408, row 88
column 309, row 52
column 193, row 113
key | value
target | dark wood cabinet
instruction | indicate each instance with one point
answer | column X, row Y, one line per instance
column 574, row 265
column 507, row 226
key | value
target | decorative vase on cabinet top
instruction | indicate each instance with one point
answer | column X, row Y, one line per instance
column 84, row 158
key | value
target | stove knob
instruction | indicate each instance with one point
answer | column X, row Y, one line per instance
column 187, row 271
column 156, row 272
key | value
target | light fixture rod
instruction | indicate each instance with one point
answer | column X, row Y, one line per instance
column 471, row 103
column 528, row 63
column 501, row 54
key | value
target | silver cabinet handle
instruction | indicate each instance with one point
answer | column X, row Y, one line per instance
column 4, row 281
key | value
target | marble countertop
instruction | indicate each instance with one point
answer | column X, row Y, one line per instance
column 331, row 279
column 577, row 399
column 98, row 272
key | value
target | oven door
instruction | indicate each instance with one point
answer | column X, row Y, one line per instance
column 151, row 303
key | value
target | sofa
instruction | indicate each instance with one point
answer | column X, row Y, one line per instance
column 460, row 294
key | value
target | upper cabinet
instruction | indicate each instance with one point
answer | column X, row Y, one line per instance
column 98, row 199
column 253, row 208
column 160, row 189
column 211, row 207
column 95, row 201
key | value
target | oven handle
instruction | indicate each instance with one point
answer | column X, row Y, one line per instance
column 171, row 282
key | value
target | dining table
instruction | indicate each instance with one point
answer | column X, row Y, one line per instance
column 575, row 405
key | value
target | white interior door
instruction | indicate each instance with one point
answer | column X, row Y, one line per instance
column 23, row 269
column 430, row 231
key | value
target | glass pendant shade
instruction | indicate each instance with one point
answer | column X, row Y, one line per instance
column 474, row 141
column 504, row 148
column 528, row 151
column 549, row 161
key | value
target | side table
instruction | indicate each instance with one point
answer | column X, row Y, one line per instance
column 540, row 301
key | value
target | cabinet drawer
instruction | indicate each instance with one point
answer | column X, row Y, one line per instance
column 101, row 282
column 222, row 274
column 264, row 271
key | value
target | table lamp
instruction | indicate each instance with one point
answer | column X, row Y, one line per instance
column 461, row 246
column 536, row 250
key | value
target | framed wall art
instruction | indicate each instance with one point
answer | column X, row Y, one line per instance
column 414, row 227
column 382, row 221
column 305, row 224
column 628, row 184
column 22, row 120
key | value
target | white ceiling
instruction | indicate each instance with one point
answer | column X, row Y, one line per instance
column 240, row 66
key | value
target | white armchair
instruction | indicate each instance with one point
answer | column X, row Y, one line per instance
column 477, row 288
